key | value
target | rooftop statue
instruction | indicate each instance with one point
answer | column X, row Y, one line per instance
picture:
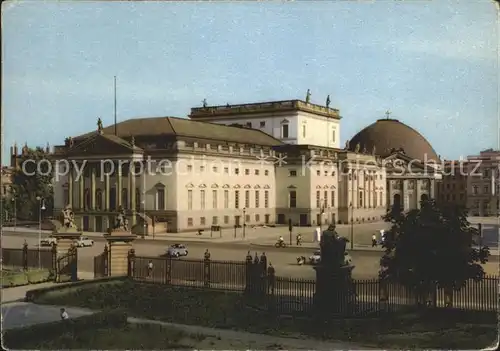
column 99, row 125
column 308, row 96
column 328, row 101
column 358, row 147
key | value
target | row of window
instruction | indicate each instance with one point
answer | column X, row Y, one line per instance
column 486, row 204
column 368, row 177
column 323, row 202
column 113, row 200
column 236, row 198
column 237, row 220
column 235, row 171
column 486, row 189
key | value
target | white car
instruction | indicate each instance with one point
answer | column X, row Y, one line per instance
column 50, row 241
column 315, row 258
column 84, row 242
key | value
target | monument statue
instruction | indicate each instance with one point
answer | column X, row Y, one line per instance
column 365, row 151
column 358, row 147
column 308, row 96
column 204, row 102
column 121, row 221
column 332, row 248
column 374, row 150
column 328, row 101
column 346, row 145
column 68, row 217
column 99, row 125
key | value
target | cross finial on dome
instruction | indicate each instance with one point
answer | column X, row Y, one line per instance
column 388, row 114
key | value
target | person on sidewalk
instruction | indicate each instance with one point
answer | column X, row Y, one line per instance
column 150, row 268
column 64, row 314
column 299, row 240
column 374, row 240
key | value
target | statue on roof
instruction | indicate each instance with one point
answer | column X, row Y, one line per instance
column 308, row 96
column 25, row 149
column 365, row 151
column 99, row 125
column 204, row 102
column 374, row 150
column 47, row 148
column 132, row 141
column 346, row 145
column 358, row 147
column 328, row 101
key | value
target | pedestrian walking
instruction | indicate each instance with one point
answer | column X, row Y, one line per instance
column 374, row 240
column 64, row 314
column 150, row 268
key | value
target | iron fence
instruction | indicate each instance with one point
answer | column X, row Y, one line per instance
column 27, row 258
column 288, row 295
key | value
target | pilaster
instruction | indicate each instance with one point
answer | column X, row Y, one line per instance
column 92, row 187
column 119, row 244
column 419, row 191
column 406, row 195
column 70, row 185
column 132, row 198
column 81, row 191
column 107, row 190
column 119, row 186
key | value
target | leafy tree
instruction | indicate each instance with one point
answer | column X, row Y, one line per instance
column 431, row 247
column 32, row 179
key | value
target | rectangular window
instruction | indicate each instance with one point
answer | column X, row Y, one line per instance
column 486, row 189
column 202, row 199
column 189, row 169
column 190, row 199
column 284, row 131
column 160, row 199
column 325, row 200
column 375, row 205
column 247, row 171
column 214, row 199
column 318, row 199
column 293, row 199
column 360, row 199
column 333, row 198
column 237, row 171
column 202, row 168
column 333, row 135
column 474, row 189
column 247, row 198
column 292, row 173
column 256, row 172
column 266, row 199
column 247, row 218
column 226, row 170
column 381, row 199
column 190, row 222
column 202, row 220
column 237, row 199
column 303, row 131
column 257, row 218
column 249, row 124
column 266, row 172
column 257, row 199
column 262, row 124
column 214, row 169
column 226, row 219
column 215, row 220
column 226, row 198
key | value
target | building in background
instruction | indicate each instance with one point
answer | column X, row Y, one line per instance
column 483, row 186
column 6, row 188
column 452, row 189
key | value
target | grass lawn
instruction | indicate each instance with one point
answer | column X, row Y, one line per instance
column 17, row 277
column 432, row 329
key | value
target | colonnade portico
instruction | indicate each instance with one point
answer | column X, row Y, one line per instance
column 92, row 173
column 409, row 191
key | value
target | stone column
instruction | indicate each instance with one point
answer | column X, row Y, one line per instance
column 81, row 191
column 119, row 244
column 418, row 191
column 106, row 191
column 405, row 196
column 132, row 197
column 119, row 186
column 92, row 187
column 70, row 186
column 432, row 195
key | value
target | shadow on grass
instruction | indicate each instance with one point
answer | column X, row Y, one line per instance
column 423, row 329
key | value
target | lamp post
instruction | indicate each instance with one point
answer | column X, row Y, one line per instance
column 352, row 226
column 15, row 211
column 244, row 221
column 41, row 207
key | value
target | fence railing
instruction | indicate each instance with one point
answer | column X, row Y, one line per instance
column 27, row 258
column 289, row 295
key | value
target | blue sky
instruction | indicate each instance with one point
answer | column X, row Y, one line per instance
column 434, row 64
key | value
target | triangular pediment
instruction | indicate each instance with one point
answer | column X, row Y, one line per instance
column 318, row 186
column 333, row 187
column 247, row 186
column 266, row 186
column 215, row 186
column 225, row 186
column 257, row 187
column 103, row 144
column 403, row 164
column 202, row 186
column 292, row 187
column 159, row 185
column 190, row 185
column 326, row 187
column 237, row 186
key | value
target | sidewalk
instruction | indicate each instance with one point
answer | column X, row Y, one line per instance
column 312, row 245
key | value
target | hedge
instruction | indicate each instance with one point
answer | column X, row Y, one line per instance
column 15, row 338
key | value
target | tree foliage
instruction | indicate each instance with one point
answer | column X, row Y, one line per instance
column 32, row 179
column 431, row 246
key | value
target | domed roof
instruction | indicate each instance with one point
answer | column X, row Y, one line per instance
column 390, row 135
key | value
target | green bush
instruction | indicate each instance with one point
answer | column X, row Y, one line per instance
column 19, row 278
column 16, row 338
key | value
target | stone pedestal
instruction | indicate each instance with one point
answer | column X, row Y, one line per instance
column 335, row 291
column 120, row 243
column 65, row 238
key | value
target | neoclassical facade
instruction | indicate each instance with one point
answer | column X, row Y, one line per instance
column 225, row 167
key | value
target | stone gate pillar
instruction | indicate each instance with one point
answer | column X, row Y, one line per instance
column 120, row 243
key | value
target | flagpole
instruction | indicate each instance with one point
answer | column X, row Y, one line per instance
column 116, row 132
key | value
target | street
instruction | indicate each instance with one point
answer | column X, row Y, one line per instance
column 366, row 262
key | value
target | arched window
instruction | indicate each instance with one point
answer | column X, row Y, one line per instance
column 98, row 199
column 125, row 204
column 137, row 198
column 396, row 203
column 112, row 199
column 87, row 198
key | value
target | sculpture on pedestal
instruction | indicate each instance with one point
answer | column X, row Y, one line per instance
column 68, row 217
column 121, row 221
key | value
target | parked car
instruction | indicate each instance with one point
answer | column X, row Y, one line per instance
column 315, row 258
column 84, row 242
column 50, row 241
column 177, row 250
